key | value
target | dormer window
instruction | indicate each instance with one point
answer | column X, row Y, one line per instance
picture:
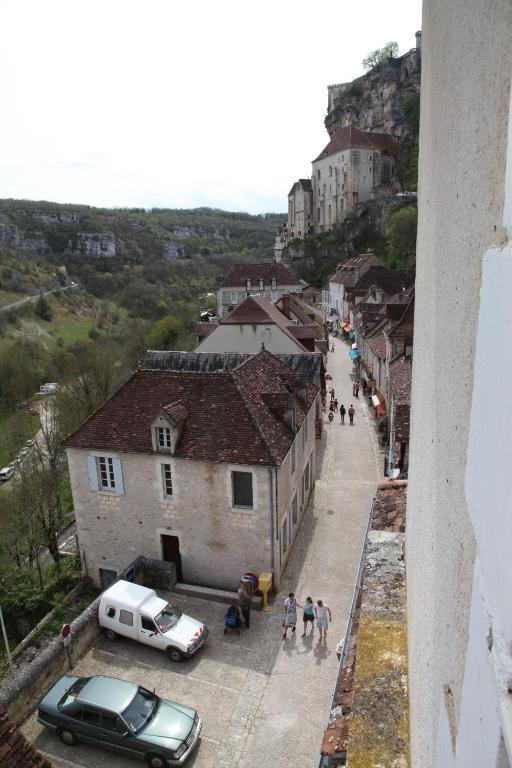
column 163, row 438
column 261, row 284
column 274, row 284
column 248, row 284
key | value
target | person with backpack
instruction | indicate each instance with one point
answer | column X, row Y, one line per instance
column 290, row 613
column 342, row 413
column 351, row 413
column 245, row 601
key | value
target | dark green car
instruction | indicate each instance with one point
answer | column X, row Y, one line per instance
column 122, row 716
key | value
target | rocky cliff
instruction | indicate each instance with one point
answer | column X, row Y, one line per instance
column 380, row 100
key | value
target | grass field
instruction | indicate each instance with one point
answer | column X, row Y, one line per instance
column 6, row 297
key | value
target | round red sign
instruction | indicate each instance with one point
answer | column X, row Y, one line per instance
column 65, row 631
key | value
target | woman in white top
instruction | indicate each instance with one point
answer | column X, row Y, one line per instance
column 321, row 613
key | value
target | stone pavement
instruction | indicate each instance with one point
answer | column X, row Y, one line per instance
column 289, row 720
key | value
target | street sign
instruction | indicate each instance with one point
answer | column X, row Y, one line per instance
column 65, row 634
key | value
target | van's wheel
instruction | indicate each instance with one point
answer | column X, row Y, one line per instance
column 174, row 655
column 155, row 761
column 67, row 737
column 110, row 634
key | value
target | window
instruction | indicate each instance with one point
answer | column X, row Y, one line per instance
column 306, row 479
column 126, row 617
column 248, row 283
column 242, row 489
column 284, row 535
column 330, row 170
column 294, row 509
column 167, row 479
column 261, row 284
column 163, row 438
column 233, row 297
column 112, row 723
column 306, row 429
column 274, row 284
column 90, row 717
column 147, row 624
column 106, row 472
column 110, row 611
column 292, row 459
column 318, row 173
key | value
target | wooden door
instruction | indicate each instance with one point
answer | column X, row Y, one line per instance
column 171, row 553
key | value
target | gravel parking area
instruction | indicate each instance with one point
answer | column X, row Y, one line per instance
column 224, row 682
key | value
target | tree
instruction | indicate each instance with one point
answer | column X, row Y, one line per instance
column 381, row 55
column 43, row 309
column 164, row 333
column 402, row 235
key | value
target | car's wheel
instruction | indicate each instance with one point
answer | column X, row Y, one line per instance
column 155, row 761
column 174, row 654
column 110, row 634
column 67, row 737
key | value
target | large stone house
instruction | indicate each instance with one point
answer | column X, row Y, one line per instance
column 346, row 276
column 269, row 280
column 258, row 323
column 355, row 166
column 300, row 209
column 212, row 471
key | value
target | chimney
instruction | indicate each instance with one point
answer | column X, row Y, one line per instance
column 286, row 306
column 418, row 41
column 289, row 414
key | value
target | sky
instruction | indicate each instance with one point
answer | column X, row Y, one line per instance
column 177, row 104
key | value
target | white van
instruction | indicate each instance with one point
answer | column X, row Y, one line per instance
column 7, row 472
column 137, row 612
column 49, row 388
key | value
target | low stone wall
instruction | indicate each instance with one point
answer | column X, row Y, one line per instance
column 26, row 684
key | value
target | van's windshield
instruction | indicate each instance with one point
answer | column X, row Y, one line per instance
column 168, row 618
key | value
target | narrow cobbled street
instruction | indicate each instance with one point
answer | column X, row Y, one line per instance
column 290, row 702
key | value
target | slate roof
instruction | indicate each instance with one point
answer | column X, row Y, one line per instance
column 351, row 137
column 349, row 272
column 389, row 280
column 239, row 273
column 228, row 419
column 377, row 344
column 304, row 183
column 15, row 750
column 309, row 364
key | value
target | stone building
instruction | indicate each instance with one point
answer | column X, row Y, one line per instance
column 242, row 280
column 459, row 516
column 346, row 276
column 212, row 471
column 257, row 323
column 300, row 209
column 355, row 166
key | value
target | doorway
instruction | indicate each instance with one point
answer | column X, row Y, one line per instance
column 171, row 553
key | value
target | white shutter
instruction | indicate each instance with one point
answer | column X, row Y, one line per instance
column 118, row 476
column 93, row 473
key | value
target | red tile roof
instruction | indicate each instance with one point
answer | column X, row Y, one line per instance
column 377, row 344
column 228, row 419
column 204, row 329
column 389, row 511
column 239, row 274
column 304, row 183
column 15, row 750
column 255, row 310
column 400, row 379
column 352, row 138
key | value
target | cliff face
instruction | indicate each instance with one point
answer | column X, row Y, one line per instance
column 378, row 100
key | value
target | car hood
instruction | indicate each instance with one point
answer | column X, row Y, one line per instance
column 184, row 630
column 170, row 726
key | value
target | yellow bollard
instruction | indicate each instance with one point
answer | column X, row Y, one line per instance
column 265, row 582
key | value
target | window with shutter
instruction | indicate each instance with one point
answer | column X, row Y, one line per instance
column 167, row 479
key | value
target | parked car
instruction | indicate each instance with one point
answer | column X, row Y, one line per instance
column 49, row 388
column 23, row 452
column 7, row 472
column 137, row 612
column 122, row 716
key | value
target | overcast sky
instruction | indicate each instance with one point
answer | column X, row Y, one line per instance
column 177, row 104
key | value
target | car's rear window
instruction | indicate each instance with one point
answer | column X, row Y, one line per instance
column 72, row 692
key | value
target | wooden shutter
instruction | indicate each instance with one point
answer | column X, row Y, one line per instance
column 118, row 476
column 93, row 473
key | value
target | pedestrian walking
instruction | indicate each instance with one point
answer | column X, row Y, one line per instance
column 351, row 413
column 332, row 394
column 290, row 613
column 308, row 615
column 357, row 388
column 342, row 413
column 331, row 416
column 365, row 387
column 332, row 348
column 245, row 602
column 336, row 405
column 321, row 613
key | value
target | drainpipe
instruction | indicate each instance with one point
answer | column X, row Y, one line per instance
column 271, row 496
